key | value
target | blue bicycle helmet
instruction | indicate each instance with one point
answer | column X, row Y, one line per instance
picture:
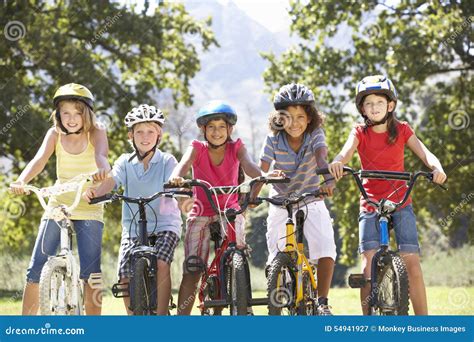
column 216, row 109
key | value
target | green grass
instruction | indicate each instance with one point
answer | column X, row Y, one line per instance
column 441, row 301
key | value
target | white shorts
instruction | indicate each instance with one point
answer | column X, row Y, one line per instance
column 318, row 231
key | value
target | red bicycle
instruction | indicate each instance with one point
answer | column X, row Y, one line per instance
column 226, row 280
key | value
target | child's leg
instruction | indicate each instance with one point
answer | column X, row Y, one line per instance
column 319, row 233
column 276, row 231
column 365, row 291
column 47, row 242
column 89, row 245
column 369, row 242
column 404, row 222
column 417, row 284
column 196, row 243
column 165, row 245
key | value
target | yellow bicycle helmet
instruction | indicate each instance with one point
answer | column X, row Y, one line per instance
column 74, row 91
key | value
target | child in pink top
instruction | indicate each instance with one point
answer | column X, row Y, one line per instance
column 216, row 161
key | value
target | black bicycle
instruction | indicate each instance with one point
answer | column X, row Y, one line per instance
column 142, row 286
column 389, row 285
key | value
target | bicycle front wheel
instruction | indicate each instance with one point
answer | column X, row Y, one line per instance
column 140, row 286
column 238, row 286
column 56, row 290
column 281, row 286
column 307, row 306
column 391, row 294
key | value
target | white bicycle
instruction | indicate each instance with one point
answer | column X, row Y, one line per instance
column 60, row 288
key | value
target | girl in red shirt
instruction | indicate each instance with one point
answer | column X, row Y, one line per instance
column 380, row 143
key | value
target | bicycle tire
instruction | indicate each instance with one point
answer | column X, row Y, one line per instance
column 281, row 286
column 392, row 295
column 239, row 286
column 55, row 290
column 140, row 288
column 307, row 306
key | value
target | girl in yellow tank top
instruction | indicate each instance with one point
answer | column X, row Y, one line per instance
column 81, row 147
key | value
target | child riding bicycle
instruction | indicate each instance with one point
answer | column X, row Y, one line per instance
column 216, row 161
column 81, row 148
column 143, row 173
column 380, row 143
column 297, row 147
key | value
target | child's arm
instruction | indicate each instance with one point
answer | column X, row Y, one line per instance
column 101, row 147
column 105, row 187
column 183, row 167
column 322, row 161
column 430, row 160
column 37, row 164
column 250, row 168
column 337, row 165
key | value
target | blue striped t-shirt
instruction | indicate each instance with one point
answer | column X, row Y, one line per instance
column 299, row 166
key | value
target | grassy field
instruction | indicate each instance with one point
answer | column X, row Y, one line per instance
column 441, row 300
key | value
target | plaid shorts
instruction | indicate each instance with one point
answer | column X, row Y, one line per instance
column 165, row 245
column 197, row 238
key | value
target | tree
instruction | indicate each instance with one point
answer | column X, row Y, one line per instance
column 426, row 49
column 123, row 56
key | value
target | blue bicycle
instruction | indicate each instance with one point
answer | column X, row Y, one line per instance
column 389, row 295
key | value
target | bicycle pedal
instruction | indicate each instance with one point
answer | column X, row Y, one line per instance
column 120, row 290
column 357, row 281
column 95, row 280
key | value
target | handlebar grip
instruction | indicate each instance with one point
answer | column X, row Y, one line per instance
column 323, row 171
column 172, row 186
column 103, row 198
column 277, row 180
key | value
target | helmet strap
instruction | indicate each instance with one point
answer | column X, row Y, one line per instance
column 370, row 123
column 140, row 156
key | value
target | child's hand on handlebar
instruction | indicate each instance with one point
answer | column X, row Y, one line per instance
column 17, row 188
column 328, row 188
column 336, row 169
column 89, row 194
column 100, row 175
column 176, row 181
column 439, row 177
column 275, row 173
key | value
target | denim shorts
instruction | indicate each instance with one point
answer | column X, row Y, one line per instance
column 89, row 243
column 404, row 224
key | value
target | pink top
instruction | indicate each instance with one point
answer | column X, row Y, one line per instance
column 225, row 174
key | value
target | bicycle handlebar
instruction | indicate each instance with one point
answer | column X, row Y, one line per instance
column 228, row 190
column 285, row 202
column 58, row 189
column 410, row 177
column 116, row 196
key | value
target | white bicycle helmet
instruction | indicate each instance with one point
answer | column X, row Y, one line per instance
column 144, row 113
column 376, row 84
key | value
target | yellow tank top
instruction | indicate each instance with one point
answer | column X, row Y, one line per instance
column 69, row 166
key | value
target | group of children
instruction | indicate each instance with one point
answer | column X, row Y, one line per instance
column 295, row 148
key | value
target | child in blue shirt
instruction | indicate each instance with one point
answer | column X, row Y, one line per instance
column 143, row 173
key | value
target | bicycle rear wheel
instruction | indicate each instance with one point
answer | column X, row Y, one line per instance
column 281, row 286
column 56, row 290
column 141, row 291
column 391, row 294
column 238, row 286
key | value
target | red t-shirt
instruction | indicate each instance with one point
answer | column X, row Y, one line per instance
column 377, row 154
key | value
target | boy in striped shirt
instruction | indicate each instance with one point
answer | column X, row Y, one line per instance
column 297, row 147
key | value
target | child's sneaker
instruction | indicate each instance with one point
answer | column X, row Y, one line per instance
column 323, row 308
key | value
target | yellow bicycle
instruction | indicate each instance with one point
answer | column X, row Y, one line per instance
column 291, row 284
